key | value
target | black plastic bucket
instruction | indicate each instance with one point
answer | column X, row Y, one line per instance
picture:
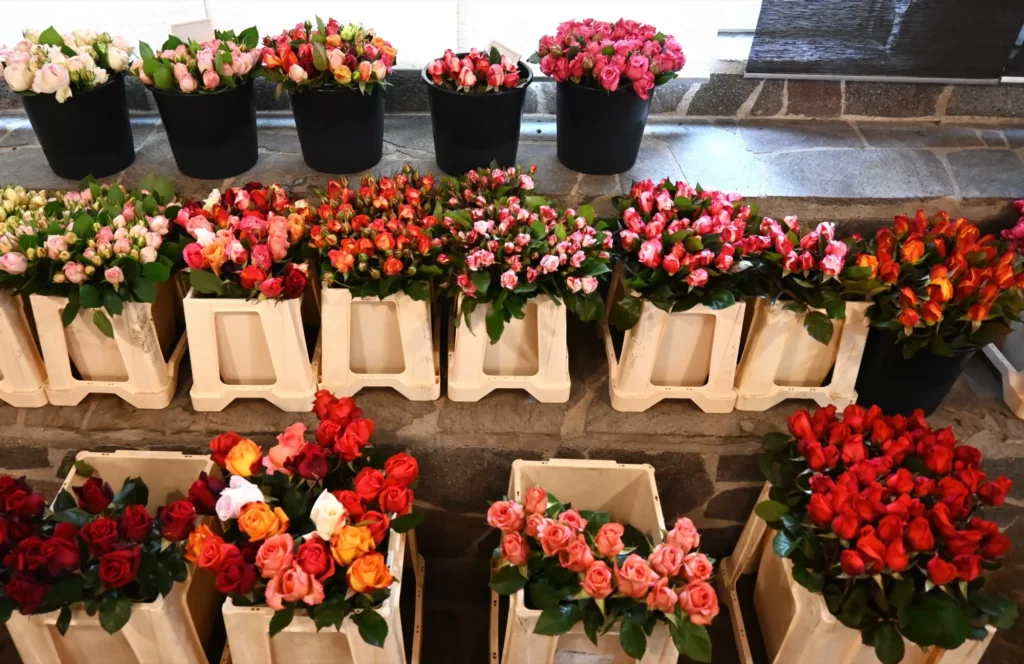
column 473, row 129
column 212, row 135
column 898, row 385
column 341, row 130
column 599, row 132
column 89, row 134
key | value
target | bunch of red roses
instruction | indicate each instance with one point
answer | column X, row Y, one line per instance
column 581, row 566
column 334, row 505
column 941, row 284
column 476, row 71
column 93, row 547
column 248, row 243
column 377, row 240
column 885, row 517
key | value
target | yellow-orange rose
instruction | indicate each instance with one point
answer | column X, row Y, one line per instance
column 242, row 456
column 215, row 255
column 350, row 543
column 258, row 522
column 296, row 227
column 195, row 542
column 369, row 574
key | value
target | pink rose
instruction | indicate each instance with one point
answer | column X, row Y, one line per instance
column 275, row 555
column 598, row 580
column 514, row 548
column 288, row 445
column 210, row 79
column 113, row 275
column 697, row 278
column 13, row 263
column 609, row 78
column 536, row 500
column 577, row 556
column 662, row 598
column 636, row 67
column 261, row 257
column 535, row 525
column 832, row 265
column 666, row 559
column 555, row 537
column 697, row 567
column 74, row 272
column 187, row 83
column 291, row 585
column 509, row 279
column 699, row 601
column 609, row 539
column 635, row 577
column 272, row 287
column 506, row 516
column 589, row 284
column 548, row 264
column 180, row 71
column 467, row 79
column 573, row 519
column 297, row 74
column 495, row 76
column 193, row 255
column 684, row 535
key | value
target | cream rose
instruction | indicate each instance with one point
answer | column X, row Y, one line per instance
column 328, row 515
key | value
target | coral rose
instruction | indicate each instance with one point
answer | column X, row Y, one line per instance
column 506, row 516
column 536, row 501
column 292, row 585
column 667, row 559
column 275, row 555
column 577, row 556
column 609, row 539
column 598, row 580
column 258, row 521
column 514, row 549
column 662, row 598
column 699, row 601
column 684, row 535
column 697, row 567
column 634, row 577
column 556, row 537
column 369, row 574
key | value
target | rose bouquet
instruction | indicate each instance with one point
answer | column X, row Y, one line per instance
column 939, row 284
column 683, row 246
column 48, row 62
column 578, row 566
column 885, row 517
column 93, row 547
column 99, row 247
column 248, row 243
column 476, row 71
column 378, row 239
column 482, row 186
column 1016, row 234
column 610, row 55
column 224, row 62
column 306, row 522
column 331, row 55
column 504, row 252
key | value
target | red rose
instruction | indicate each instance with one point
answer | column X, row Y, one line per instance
column 396, row 498
column 919, row 535
column 311, row 462
column 880, row 431
column 820, row 510
column 984, row 527
column 326, row 432
column 953, row 493
column 322, row 400
column 177, row 520
column 315, row 559
column 119, row 568
column 814, row 453
column 896, row 557
column 221, row 445
column 968, row 567
column 940, row 572
column 135, row 523
column 941, row 520
column 402, row 469
column 897, row 449
column 851, row 563
column 61, row 554
column 351, row 502
column 972, row 478
column 27, row 593
column 378, row 525
column 800, row 426
column 94, row 495
column 901, row 481
column 845, row 524
column 961, row 542
column 24, row 504
column 368, row 483
column 939, row 460
column 101, row 535
column 9, row 484
column 68, row 531
column 871, row 549
column 204, row 493
column 853, row 417
column 854, row 450
column 890, row 528
column 347, row 446
column 251, row 277
column 294, row 282
column 362, row 429
column 923, row 486
column 995, row 546
column 969, row 456
column 343, row 411
column 28, row 556
column 235, row 575
column 994, row 492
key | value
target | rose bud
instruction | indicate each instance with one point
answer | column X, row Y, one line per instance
column 94, row 495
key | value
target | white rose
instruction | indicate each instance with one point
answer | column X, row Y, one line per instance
column 100, row 75
column 63, row 95
column 240, row 492
column 75, row 64
column 122, row 43
column 31, row 35
column 117, row 59
column 18, row 77
column 25, row 45
column 50, row 78
column 328, row 515
column 204, row 237
column 211, row 200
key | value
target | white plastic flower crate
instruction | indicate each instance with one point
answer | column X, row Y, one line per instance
column 139, row 364
column 628, row 492
column 170, row 630
column 377, row 343
column 683, row 355
column 531, row 355
column 248, row 350
column 1008, row 358
column 782, row 361
column 22, row 375
column 248, row 627
column 796, row 624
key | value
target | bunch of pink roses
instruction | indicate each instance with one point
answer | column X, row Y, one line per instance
column 578, row 565
column 224, row 62
column 611, row 55
column 475, row 71
column 1016, row 234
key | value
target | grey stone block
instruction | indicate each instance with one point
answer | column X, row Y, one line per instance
column 814, row 99
column 263, row 92
column 919, row 135
column 139, row 98
column 465, row 479
column 769, row 99
column 654, row 162
column 761, row 137
column 27, row 166
column 407, row 92
column 552, row 177
column 10, row 100
column 21, row 457
column 155, row 156
column 666, row 97
column 722, row 95
column 856, row 174
column 1015, row 135
column 21, row 133
column 1004, row 101
column 715, row 157
column 733, row 504
column 988, row 173
column 994, row 138
column 892, row 100
column 739, row 468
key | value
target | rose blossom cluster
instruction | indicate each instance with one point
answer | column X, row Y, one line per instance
column 40, row 62
column 328, row 541
column 381, row 230
column 474, row 72
column 1016, row 234
column 21, row 211
column 189, row 67
column 119, row 542
column 483, row 186
column 611, row 55
column 328, row 54
column 248, row 242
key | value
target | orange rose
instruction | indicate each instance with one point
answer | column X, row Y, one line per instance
column 909, row 318
column 913, row 251
column 296, row 227
column 979, row 312
column 350, row 543
column 931, row 312
column 369, row 574
column 940, row 289
column 258, row 522
column 240, row 460
column 366, row 246
column 902, row 225
column 212, row 552
column 195, row 542
column 384, row 241
column 908, row 298
column 215, row 255
column 341, row 260
column 890, row 272
column 1004, row 275
column 868, row 261
column 392, row 266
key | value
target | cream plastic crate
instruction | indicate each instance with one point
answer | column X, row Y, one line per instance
column 782, row 361
column 629, row 494
column 796, row 624
column 531, row 355
column 170, row 630
column 377, row 343
column 248, row 350
column 1007, row 356
column 683, row 355
column 130, row 365
column 248, row 627
column 22, row 375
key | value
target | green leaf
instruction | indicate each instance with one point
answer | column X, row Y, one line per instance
column 721, row 299
column 281, row 620
column 813, row 581
column 935, row 620
column 64, row 619
column 144, row 289
column 164, row 189
column 901, row 593
column 632, row 638
column 7, row 607
column 507, row 580
column 249, row 38
column 163, row 76
column 67, row 317
column 534, row 202
column 558, row 620
column 543, row 596
column 372, row 627
column 587, row 212
column 113, row 303
column 205, row 282
column 784, row 545
column 116, row 195
column 64, row 501
column 495, row 320
column 100, row 320
column 626, row 312
column 404, row 524
column 691, row 640
column 83, row 224
column 776, row 441
column 888, row 644
column 592, row 621
column 114, row 612
column 770, row 510
column 418, row 290
column 1001, row 613
column 482, row 280
column 156, row 272
column 84, row 469
column 90, row 297
column 51, row 37
column 818, row 326
column 330, row 613
column 319, row 56
column 133, row 492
